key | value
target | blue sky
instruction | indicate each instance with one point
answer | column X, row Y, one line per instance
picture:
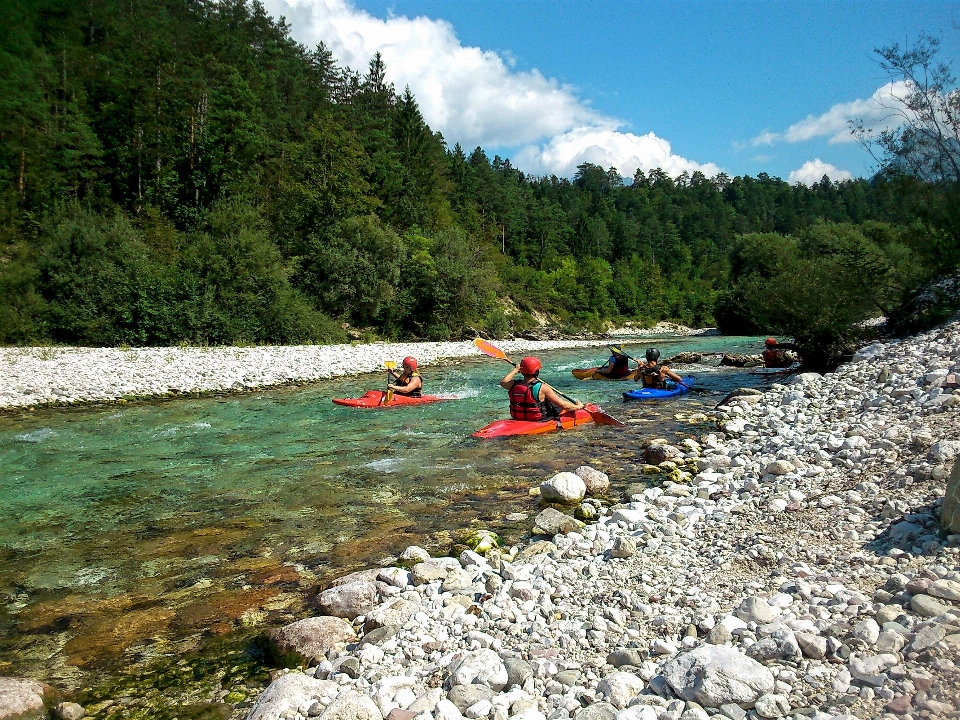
column 743, row 87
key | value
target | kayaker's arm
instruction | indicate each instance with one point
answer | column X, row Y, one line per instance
column 415, row 384
column 507, row 381
column 672, row 375
column 550, row 395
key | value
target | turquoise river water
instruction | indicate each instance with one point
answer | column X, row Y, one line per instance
column 138, row 533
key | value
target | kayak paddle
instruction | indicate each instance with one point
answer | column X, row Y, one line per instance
column 599, row 417
column 388, row 396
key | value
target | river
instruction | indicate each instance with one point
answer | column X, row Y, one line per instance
column 138, row 538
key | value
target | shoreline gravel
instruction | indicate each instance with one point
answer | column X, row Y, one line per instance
column 37, row 376
column 794, row 568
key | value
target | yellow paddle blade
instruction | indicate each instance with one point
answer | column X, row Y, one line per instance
column 488, row 349
column 389, row 364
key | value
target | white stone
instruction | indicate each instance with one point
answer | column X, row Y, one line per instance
column 564, row 487
column 714, row 675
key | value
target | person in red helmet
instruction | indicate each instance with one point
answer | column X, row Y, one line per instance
column 408, row 382
column 530, row 397
column 775, row 354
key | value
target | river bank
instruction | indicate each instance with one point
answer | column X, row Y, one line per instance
column 798, row 573
column 35, row 376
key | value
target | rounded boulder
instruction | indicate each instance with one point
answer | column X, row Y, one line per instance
column 565, row 487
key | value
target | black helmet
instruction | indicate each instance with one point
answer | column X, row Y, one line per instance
column 653, row 354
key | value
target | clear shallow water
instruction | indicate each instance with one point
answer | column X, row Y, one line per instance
column 129, row 532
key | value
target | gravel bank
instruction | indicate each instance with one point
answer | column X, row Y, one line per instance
column 796, row 570
column 44, row 376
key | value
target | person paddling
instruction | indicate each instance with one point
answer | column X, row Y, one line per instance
column 775, row 354
column 530, row 397
column 654, row 374
column 617, row 367
column 408, row 382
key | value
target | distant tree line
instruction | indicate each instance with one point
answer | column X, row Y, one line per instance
column 183, row 171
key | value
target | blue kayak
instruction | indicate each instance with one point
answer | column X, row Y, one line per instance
column 643, row 393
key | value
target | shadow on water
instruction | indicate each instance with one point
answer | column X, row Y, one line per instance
column 151, row 539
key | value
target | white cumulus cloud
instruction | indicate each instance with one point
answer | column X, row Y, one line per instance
column 883, row 110
column 607, row 148
column 473, row 96
column 813, row 171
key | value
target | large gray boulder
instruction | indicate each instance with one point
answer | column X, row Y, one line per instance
column 349, row 600
column 298, row 643
column 289, row 692
column 22, row 698
column 714, row 675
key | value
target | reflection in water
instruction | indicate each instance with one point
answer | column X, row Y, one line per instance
column 126, row 534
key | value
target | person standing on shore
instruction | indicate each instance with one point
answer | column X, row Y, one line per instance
column 654, row 374
column 408, row 382
column 530, row 397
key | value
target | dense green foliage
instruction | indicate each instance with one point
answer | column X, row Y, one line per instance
column 184, row 171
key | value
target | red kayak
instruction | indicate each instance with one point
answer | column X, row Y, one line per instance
column 567, row 420
column 374, row 399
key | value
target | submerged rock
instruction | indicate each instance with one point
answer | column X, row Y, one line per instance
column 23, row 698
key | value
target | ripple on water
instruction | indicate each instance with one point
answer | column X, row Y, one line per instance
column 36, row 436
column 385, row 465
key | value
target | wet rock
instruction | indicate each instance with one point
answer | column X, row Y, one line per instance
column 737, row 360
column 714, row 675
column 358, row 576
column 352, row 706
column 685, row 358
column 596, row 482
column 657, row 454
column 69, row 711
column 482, row 541
column 23, row 698
column 563, row 487
column 414, row 554
column 586, row 512
column 298, row 643
column 349, row 600
column 551, row 521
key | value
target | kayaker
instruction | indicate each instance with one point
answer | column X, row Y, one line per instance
column 617, row 367
column 654, row 374
column 530, row 397
column 775, row 354
column 408, row 382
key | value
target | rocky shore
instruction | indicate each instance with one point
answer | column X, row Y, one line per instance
column 794, row 568
column 52, row 376
column 794, row 565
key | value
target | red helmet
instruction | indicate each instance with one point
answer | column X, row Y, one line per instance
column 410, row 362
column 770, row 342
column 530, row 365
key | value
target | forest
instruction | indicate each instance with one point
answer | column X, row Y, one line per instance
column 185, row 172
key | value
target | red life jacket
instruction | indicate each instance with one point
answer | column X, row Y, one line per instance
column 524, row 403
column 774, row 358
